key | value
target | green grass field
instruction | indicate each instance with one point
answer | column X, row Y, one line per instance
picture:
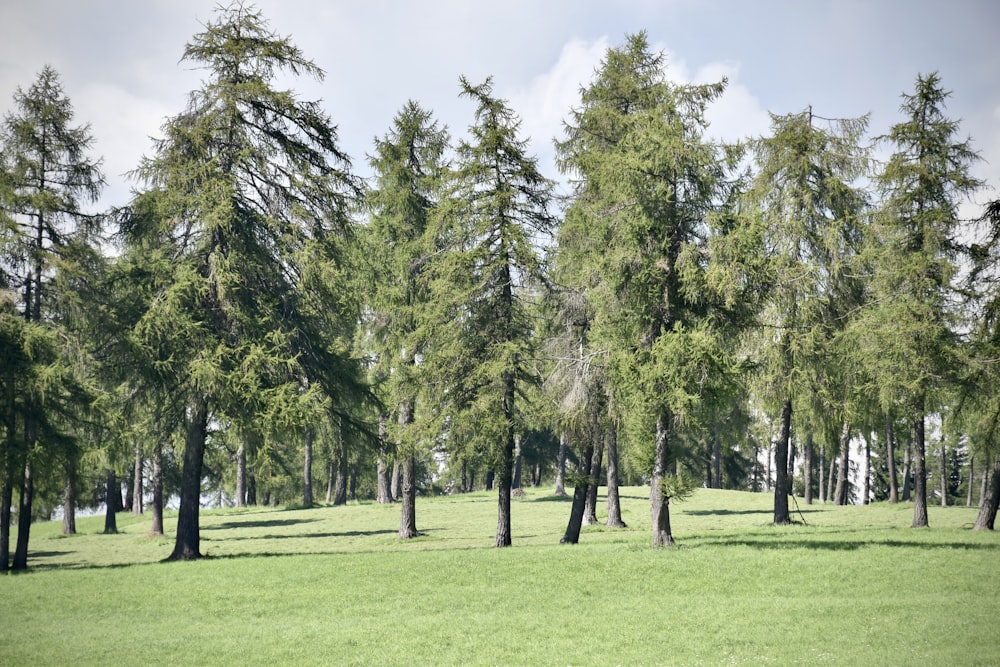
column 334, row 586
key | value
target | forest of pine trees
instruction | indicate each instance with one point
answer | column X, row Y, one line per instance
column 260, row 325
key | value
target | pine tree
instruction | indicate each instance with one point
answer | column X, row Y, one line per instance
column 255, row 197
column 493, row 215
column 647, row 184
column 812, row 216
column 408, row 165
column 47, row 178
column 914, row 249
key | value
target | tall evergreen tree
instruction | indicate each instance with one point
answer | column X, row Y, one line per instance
column 493, row 216
column 914, row 248
column 812, row 217
column 255, row 198
column 646, row 183
column 408, row 164
column 47, row 178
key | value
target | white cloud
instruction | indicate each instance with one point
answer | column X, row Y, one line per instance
column 122, row 125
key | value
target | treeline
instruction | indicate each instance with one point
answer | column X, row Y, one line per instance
column 259, row 322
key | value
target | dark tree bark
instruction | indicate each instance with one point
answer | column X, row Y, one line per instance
column 383, row 492
column 340, row 479
column 241, row 475
column 717, row 458
column 890, row 460
column 919, row 473
column 408, row 511
column 821, row 470
column 69, row 505
column 251, row 488
column 831, row 484
column 659, row 501
column 505, row 467
column 188, row 540
column 561, row 466
column 614, row 502
column 807, row 468
column 6, row 501
column 843, row 465
column 990, row 500
column 156, row 482
column 907, row 473
column 944, row 473
column 516, row 487
column 781, row 481
column 307, row 470
column 137, row 482
column 580, row 487
column 590, row 506
column 24, row 519
column 394, row 480
column 111, row 502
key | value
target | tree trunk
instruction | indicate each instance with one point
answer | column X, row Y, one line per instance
column 156, row 481
column 821, row 483
column 614, row 502
column 717, row 458
column 408, row 513
column 781, row 486
column 890, row 460
column 69, row 503
column 188, row 540
column 505, row 468
column 972, row 478
column 580, row 487
column 394, row 480
column 831, row 482
column 24, row 519
column 340, row 481
column 868, row 470
column 241, row 475
column 516, row 488
column 919, row 474
column 907, row 473
column 561, row 465
column 843, row 466
column 944, row 473
column 807, row 468
column 383, row 492
column 6, row 500
column 658, row 500
column 990, row 499
column 983, row 487
column 307, row 469
column 111, row 502
column 137, row 482
column 590, row 506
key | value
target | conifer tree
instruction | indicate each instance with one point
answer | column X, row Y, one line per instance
column 493, row 215
column 47, row 179
column 408, row 164
column 811, row 214
column 254, row 197
column 914, row 249
column 646, row 185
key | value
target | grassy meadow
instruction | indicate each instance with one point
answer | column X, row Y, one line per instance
column 334, row 586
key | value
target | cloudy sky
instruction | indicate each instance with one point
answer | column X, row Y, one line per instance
column 119, row 61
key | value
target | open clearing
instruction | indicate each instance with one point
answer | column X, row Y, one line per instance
column 333, row 585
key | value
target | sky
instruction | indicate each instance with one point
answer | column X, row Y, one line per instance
column 119, row 62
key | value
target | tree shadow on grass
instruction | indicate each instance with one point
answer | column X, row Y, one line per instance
column 774, row 543
column 349, row 533
column 553, row 499
column 742, row 512
column 264, row 523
